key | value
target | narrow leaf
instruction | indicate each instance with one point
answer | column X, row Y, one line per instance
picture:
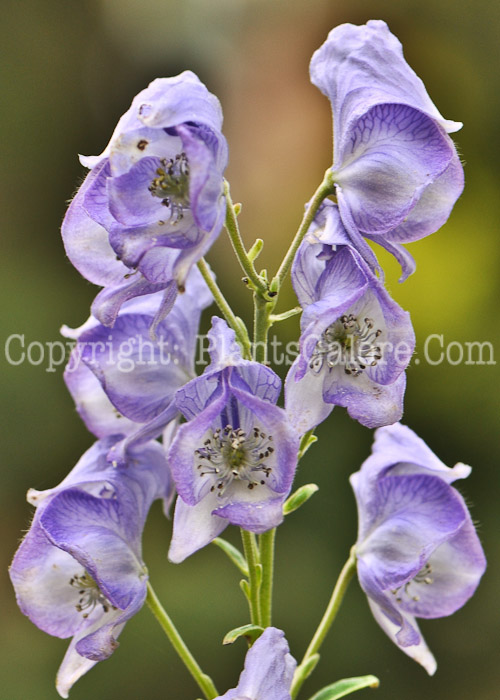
column 245, row 587
column 298, row 498
column 307, row 440
column 233, row 553
column 309, row 666
column 255, row 250
column 250, row 632
column 345, row 687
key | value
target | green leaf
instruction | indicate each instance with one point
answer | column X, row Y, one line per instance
column 250, row 632
column 298, row 498
column 307, row 440
column 245, row 587
column 255, row 250
column 309, row 666
column 345, row 687
column 233, row 553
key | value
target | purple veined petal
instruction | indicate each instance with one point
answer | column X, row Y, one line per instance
column 394, row 153
column 191, row 435
column 194, row 527
column 119, row 453
column 138, row 375
column 366, row 401
column 304, row 402
column 133, row 243
column 398, row 449
column 190, row 256
column 275, row 423
column 404, row 258
column 92, row 404
column 255, row 516
column 409, row 517
column 396, row 339
column 419, row 652
column 448, row 579
column 268, row 670
column 107, row 304
column 102, row 536
column 92, row 472
column 433, row 207
column 207, row 155
column 258, row 380
column 165, row 103
column 168, row 102
column 223, row 348
column 41, row 575
column 356, row 238
column 358, row 67
column 86, row 242
column 130, row 200
column 306, row 269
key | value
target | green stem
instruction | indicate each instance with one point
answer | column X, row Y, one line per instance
column 262, row 311
column 235, row 323
column 327, row 187
column 204, row 682
column 326, row 622
column 239, row 248
column 254, row 575
column 266, row 542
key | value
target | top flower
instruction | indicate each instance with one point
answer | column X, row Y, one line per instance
column 153, row 201
column 396, row 170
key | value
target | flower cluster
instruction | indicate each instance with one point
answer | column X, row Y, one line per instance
column 150, row 208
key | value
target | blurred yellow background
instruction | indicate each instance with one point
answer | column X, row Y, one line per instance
column 69, row 70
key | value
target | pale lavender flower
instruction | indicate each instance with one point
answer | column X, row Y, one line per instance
column 79, row 571
column 417, row 551
column 153, row 202
column 396, row 170
column 355, row 342
column 123, row 379
column 268, row 670
column 234, row 459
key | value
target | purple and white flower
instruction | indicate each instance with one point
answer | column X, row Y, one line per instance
column 268, row 671
column 418, row 554
column 234, row 459
column 355, row 343
column 153, row 202
column 79, row 571
column 123, row 379
column 396, row 170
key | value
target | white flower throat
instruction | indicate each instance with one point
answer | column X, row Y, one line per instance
column 349, row 343
column 90, row 594
column 410, row 589
column 230, row 454
column 172, row 185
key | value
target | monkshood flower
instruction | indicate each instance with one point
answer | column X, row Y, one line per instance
column 268, row 670
column 153, row 202
column 355, row 342
column 122, row 379
column 234, row 459
column 418, row 554
column 79, row 571
column 396, row 170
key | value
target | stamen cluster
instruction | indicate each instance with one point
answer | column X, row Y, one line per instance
column 230, row 454
column 347, row 342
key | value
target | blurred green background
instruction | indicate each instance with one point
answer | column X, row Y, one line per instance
column 69, row 70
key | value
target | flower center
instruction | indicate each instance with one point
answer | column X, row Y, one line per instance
column 422, row 577
column 230, row 454
column 349, row 343
column 90, row 595
column 172, row 185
